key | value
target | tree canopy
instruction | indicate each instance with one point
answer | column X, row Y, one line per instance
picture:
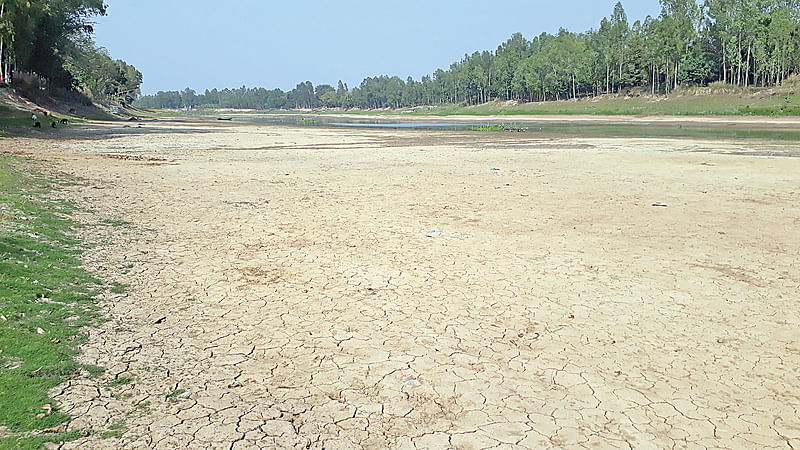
column 51, row 40
column 739, row 42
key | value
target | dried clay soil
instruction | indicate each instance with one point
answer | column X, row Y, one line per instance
column 284, row 290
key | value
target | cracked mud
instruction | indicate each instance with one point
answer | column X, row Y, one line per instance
column 284, row 291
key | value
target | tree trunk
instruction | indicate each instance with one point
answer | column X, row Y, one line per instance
column 490, row 84
column 747, row 69
column 739, row 69
column 3, row 65
column 574, row 96
column 677, row 68
column 608, row 69
column 653, row 90
column 724, row 73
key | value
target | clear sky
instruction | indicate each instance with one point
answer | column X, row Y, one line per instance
column 205, row 44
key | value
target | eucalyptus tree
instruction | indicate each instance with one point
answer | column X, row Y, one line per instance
column 619, row 38
column 680, row 20
column 508, row 56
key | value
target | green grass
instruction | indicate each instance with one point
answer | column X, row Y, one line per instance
column 174, row 395
column 114, row 223
column 119, row 288
column 14, row 120
column 45, row 300
column 121, row 381
column 499, row 128
column 28, row 442
column 694, row 103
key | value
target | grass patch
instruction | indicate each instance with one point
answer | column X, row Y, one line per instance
column 12, row 119
column 499, row 128
column 114, row 430
column 145, row 405
column 174, row 395
column 121, row 381
column 46, row 299
column 114, row 223
column 119, row 288
column 28, row 442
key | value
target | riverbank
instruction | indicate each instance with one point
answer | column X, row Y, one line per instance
column 287, row 288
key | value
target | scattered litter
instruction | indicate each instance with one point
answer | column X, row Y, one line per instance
column 412, row 382
column 39, row 331
column 52, row 430
column 47, row 411
column 495, row 169
column 434, row 233
column 664, row 205
column 160, row 321
column 55, row 341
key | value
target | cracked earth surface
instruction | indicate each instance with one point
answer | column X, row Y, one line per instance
column 283, row 291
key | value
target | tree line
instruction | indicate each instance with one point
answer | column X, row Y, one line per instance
column 50, row 42
column 736, row 42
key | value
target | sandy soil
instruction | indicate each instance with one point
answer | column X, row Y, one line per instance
column 284, row 291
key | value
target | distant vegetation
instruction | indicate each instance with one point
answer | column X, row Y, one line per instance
column 739, row 43
column 47, row 45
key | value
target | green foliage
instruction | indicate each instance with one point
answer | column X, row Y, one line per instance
column 121, row 381
column 12, row 119
column 174, row 395
column 738, row 42
column 47, row 299
column 28, row 442
column 52, row 39
column 105, row 78
column 706, row 101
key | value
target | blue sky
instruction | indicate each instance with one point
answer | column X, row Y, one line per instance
column 204, row 44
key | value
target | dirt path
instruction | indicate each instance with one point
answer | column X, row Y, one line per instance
column 284, row 291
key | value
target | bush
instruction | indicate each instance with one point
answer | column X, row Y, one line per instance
column 792, row 82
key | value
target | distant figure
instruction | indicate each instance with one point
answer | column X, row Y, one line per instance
column 34, row 118
column 53, row 124
column 63, row 121
column 37, row 124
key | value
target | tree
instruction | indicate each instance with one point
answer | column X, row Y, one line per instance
column 735, row 41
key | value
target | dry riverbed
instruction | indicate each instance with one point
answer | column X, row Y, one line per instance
column 286, row 289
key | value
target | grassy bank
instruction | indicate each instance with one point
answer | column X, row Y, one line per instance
column 14, row 122
column 741, row 103
column 45, row 300
column 699, row 101
column 12, row 119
